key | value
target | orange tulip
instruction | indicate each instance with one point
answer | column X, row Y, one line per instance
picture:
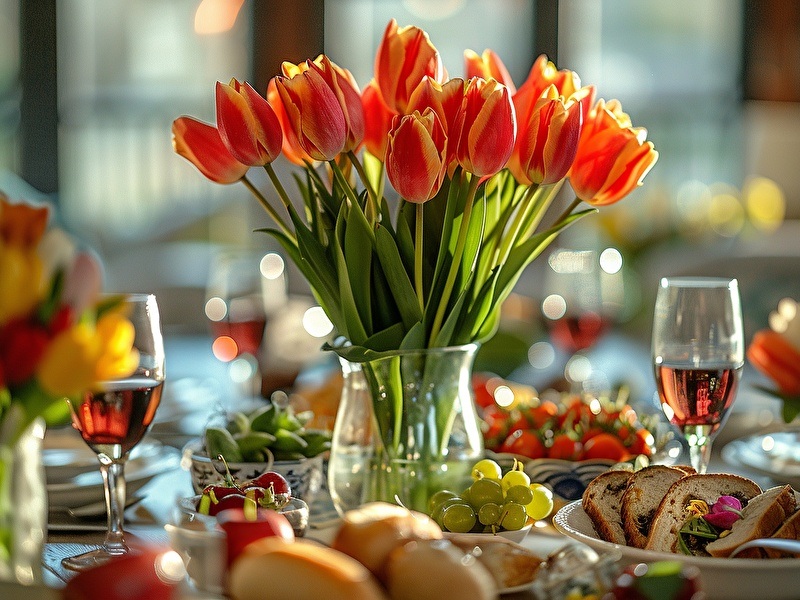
column 202, row 145
column 247, row 124
column 313, row 114
column 291, row 146
column 405, row 55
column 415, row 156
column 548, row 137
column 485, row 128
column 543, row 74
column 344, row 86
column 488, row 66
column 377, row 121
column 773, row 355
column 613, row 157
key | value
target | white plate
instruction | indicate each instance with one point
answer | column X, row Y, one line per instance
column 65, row 455
column 87, row 488
column 775, row 455
column 723, row 578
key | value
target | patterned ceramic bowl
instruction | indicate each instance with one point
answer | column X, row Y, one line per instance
column 567, row 478
column 304, row 476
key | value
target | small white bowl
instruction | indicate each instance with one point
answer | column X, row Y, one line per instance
column 516, row 536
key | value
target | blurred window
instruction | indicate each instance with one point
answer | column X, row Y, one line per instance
column 9, row 82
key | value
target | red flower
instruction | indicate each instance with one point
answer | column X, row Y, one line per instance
column 774, row 356
column 23, row 342
column 377, row 121
column 415, row 157
column 488, row 65
column 201, row 145
column 247, row 124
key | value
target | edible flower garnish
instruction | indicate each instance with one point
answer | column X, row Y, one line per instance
column 725, row 512
column 704, row 525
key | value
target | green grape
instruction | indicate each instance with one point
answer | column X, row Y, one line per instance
column 541, row 505
column 521, row 494
column 486, row 469
column 483, row 491
column 458, row 518
column 514, row 516
column 438, row 498
column 489, row 514
column 515, row 477
column 438, row 512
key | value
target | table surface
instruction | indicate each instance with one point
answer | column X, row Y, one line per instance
column 144, row 522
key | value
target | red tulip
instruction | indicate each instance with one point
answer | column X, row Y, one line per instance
column 313, row 114
column 202, row 145
column 485, row 128
column 377, row 121
column 446, row 99
column 247, row 124
column 548, row 137
column 344, row 86
column 488, row 66
column 291, row 146
column 404, row 57
column 773, row 355
column 23, row 342
column 613, row 157
column 543, row 74
column 415, row 156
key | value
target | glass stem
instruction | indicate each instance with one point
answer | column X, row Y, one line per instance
column 114, row 484
column 699, row 446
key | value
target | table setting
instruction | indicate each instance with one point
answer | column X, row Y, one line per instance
column 421, row 198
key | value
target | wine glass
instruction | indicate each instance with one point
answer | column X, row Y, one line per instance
column 244, row 288
column 698, row 355
column 113, row 418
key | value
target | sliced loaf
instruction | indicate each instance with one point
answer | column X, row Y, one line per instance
column 790, row 530
column 670, row 516
column 602, row 501
column 646, row 488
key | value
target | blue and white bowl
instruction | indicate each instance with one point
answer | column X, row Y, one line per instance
column 566, row 478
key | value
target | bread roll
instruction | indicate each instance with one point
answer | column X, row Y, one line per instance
column 370, row 533
column 300, row 570
column 436, row 570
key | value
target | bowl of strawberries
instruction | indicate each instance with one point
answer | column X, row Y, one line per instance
column 564, row 440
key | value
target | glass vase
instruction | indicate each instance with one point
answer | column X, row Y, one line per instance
column 23, row 506
column 406, row 428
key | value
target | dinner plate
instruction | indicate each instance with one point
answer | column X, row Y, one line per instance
column 87, row 487
column 723, row 578
column 776, row 455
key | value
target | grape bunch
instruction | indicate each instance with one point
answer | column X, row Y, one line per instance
column 493, row 502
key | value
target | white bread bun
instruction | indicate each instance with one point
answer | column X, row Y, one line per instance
column 708, row 487
column 509, row 563
column 437, row 570
column 762, row 517
column 301, row 570
column 371, row 532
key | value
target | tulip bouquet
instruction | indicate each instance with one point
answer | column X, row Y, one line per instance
column 475, row 164
column 775, row 352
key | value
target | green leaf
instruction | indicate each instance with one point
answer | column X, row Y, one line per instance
column 474, row 236
column 448, row 331
column 358, row 244
column 388, row 339
column 405, row 241
column 355, row 330
column 396, row 275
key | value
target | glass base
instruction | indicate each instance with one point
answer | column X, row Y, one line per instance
column 93, row 558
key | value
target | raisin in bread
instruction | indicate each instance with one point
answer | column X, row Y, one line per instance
column 671, row 513
column 762, row 517
column 646, row 488
column 602, row 501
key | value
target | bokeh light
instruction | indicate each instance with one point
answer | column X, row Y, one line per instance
column 225, row 348
column 216, row 309
column 765, row 203
column 272, row 266
column 316, row 322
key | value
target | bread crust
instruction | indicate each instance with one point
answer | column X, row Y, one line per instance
column 602, row 502
column 669, row 517
column 790, row 530
column 646, row 488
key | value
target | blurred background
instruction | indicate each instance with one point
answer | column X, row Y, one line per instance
column 89, row 89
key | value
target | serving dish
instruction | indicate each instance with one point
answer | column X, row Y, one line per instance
column 517, row 536
column 723, row 578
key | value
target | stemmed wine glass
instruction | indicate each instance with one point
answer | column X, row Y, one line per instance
column 698, row 355
column 113, row 419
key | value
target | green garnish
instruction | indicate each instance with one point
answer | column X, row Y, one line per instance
column 699, row 528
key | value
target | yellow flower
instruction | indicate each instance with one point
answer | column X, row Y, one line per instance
column 84, row 354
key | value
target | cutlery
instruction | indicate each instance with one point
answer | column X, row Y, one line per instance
column 784, row 545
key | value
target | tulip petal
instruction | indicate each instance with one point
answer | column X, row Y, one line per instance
column 201, row 145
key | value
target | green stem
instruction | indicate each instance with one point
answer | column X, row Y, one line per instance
column 418, row 257
column 510, row 237
column 372, row 210
column 568, row 211
column 457, row 254
column 339, row 176
column 267, row 206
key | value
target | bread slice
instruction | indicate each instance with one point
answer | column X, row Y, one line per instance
column 646, row 488
column 509, row 563
column 602, row 501
column 670, row 515
column 790, row 530
column 762, row 517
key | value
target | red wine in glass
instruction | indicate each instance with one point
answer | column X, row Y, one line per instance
column 698, row 397
column 574, row 332
column 114, row 420
column 246, row 334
